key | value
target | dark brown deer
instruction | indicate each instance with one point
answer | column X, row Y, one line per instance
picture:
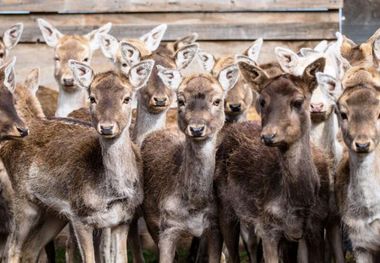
column 11, row 127
column 357, row 179
column 178, row 185
column 282, row 190
column 74, row 170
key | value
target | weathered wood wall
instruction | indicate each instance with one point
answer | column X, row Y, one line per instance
column 224, row 26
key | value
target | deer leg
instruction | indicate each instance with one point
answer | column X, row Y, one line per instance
column 270, row 248
column 363, row 255
column 230, row 229
column 251, row 242
column 334, row 236
column 50, row 252
column 25, row 218
column 214, row 244
column 83, row 234
column 315, row 243
column 45, row 233
column 119, row 237
column 302, row 255
column 71, row 246
column 102, row 242
column 167, row 245
column 134, row 241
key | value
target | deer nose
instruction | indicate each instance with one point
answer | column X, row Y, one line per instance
column 160, row 101
column 106, row 129
column 235, row 107
column 23, row 131
column 268, row 138
column 362, row 147
column 68, row 81
column 197, row 131
column 316, row 107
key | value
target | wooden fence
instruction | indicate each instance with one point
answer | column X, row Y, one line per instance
column 224, row 26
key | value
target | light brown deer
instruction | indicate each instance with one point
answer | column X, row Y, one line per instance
column 178, row 185
column 11, row 127
column 68, row 171
column 290, row 178
column 66, row 47
column 357, row 179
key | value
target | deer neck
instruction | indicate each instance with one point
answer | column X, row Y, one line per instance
column 120, row 167
column 146, row 123
column 324, row 135
column 198, row 167
column 70, row 101
column 300, row 177
column 364, row 184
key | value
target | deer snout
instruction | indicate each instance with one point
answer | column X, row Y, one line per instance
column 361, row 145
column 235, row 107
column 197, row 130
column 269, row 135
column 316, row 107
column 160, row 101
column 106, row 129
column 68, row 81
column 23, row 131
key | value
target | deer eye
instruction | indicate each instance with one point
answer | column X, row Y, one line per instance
column 181, row 102
column 92, row 100
column 297, row 104
column 56, row 58
column 217, row 102
column 85, row 60
column 1, row 55
column 262, row 102
column 127, row 100
column 343, row 116
column 124, row 65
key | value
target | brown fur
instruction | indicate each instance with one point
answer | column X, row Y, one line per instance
column 290, row 199
column 48, row 98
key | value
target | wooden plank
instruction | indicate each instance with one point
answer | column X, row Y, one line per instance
column 28, row 54
column 106, row 6
column 209, row 26
column 362, row 19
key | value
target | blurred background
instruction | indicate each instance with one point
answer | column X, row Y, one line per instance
column 224, row 26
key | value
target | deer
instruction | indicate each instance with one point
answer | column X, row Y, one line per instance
column 324, row 129
column 88, row 187
column 178, row 195
column 289, row 175
column 79, row 47
column 11, row 127
column 357, row 109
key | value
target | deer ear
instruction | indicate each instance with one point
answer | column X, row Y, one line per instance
column 321, row 46
column 95, row 36
column 253, row 75
column 186, row 40
column 185, row 55
column 329, row 86
column 309, row 74
column 49, row 32
column 83, row 73
column 206, row 60
column 228, row 77
column 9, row 74
column 140, row 73
column 13, row 35
column 153, row 39
column 170, row 77
column 287, row 59
column 376, row 48
column 253, row 51
column 32, row 80
column 129, row 53
column 109, row 46
column 308, row 52
column 243, row 58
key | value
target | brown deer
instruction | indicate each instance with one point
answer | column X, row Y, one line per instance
column 68, row 171
column 10, row 39
column 66, row 47
column 282, row 190
column 178, row 185
column 357, row 178
column 11, row 127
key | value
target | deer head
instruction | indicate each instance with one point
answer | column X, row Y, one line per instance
column 10, row 39
column 111, row 95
